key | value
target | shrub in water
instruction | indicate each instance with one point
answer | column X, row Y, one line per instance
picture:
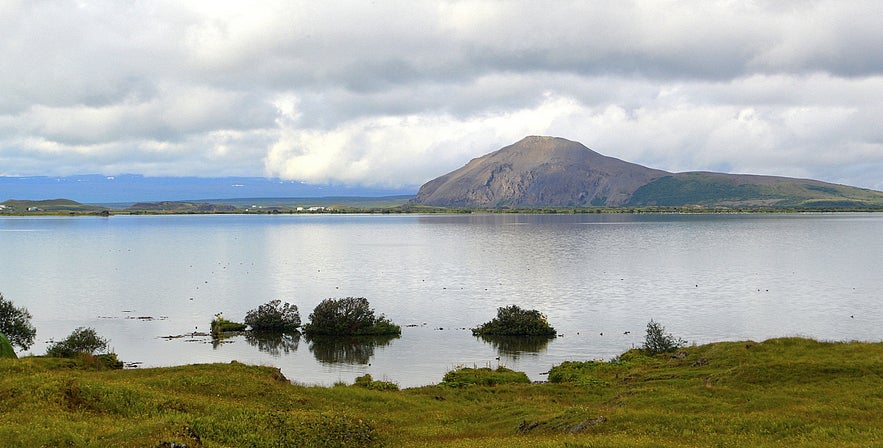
column 514, row 321
column 658, row 341
column 81, row 341
column 15, row 324
column 274, row 316
column 351, row 316
column 220, row 325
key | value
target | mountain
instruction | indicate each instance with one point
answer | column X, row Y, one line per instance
column 554, row 172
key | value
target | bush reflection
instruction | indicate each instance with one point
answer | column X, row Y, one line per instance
column 274, row 343
column 346, row 349
column 514, row 345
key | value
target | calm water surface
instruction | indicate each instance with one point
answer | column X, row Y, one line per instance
column 598, row 278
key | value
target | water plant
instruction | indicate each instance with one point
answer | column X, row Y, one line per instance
column 274, row 316
column 219, row 326
column 350, row 316
column 512, row 320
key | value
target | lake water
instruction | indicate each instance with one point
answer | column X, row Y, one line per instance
column 598, row 278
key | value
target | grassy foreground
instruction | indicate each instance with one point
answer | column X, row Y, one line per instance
column 781, row 392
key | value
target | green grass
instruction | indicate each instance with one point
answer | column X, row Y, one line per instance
column 483, row 376
column 6, row 350
column 781, row 392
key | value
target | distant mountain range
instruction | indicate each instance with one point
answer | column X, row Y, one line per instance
column 554, row 172
column 131, row 188
column 534, row 172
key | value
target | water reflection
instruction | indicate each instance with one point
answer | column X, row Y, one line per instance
column 346, row 350
column 276, row 344
column 513, row 346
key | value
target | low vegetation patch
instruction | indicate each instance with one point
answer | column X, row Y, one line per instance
column 483, row 376
column 781, row 392
column 369, row 382
column 515, row 321
column 351, row 316
column 219, row 326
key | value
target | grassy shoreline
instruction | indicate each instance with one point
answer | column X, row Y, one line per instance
column 780, row 392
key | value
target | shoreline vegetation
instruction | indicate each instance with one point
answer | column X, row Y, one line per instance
column 383, row 205
column 779, row 392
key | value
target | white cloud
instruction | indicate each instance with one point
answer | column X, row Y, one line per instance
column 400, row 150
column 396, row 93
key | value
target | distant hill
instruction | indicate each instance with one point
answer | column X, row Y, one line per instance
column 555, row 172
column 360, row 202
column 181, row 207
column 53, row 206
column 131, row 188
column 339, row 204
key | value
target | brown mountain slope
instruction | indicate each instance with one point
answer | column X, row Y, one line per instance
column 554, row 172
column 538, row 171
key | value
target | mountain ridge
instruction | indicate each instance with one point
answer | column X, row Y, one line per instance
column 541, row 171
column 131, row 188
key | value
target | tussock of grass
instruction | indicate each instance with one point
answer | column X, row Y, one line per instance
column 781, row 392
column 483, row 376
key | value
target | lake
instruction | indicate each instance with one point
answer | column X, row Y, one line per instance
column 599, row 278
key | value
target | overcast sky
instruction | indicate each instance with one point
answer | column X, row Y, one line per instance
column 395, row 93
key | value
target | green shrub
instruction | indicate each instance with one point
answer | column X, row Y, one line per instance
column 80, row 341
column 274, row 316
column 351, row 316
column 6, row 350
column 368, row 382
column 108, row 360
column 483, row 376
column 514, row 321
column 658, row 341
column 15, row 323
column 220, row 325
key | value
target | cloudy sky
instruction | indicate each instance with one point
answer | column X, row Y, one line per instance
column 394, row 93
